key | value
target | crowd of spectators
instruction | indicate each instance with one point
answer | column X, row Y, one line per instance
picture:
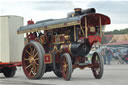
column 108, row 54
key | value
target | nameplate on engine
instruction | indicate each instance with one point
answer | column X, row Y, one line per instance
column 47, row 58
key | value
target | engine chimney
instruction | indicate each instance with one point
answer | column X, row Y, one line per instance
column 77, row 11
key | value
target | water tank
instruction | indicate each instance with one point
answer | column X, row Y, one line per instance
column 11, row 44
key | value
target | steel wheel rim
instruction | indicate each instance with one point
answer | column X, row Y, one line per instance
column 30, row 61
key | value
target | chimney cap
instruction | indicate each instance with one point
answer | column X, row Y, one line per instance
column 77, row 9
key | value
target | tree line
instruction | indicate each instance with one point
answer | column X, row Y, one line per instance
column 122, row 31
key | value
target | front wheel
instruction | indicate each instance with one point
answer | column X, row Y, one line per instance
column 66, row 66
column 98, row 65
column 9, row 72
column 33, row 60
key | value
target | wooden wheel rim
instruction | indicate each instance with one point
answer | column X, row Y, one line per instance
column 30, row 60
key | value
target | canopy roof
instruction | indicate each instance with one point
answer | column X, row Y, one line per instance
column 65, row 22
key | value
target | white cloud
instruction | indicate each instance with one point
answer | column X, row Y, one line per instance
column 27, row 9
column 112, row 27
column 80, row 4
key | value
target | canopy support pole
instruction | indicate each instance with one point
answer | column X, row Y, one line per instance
column 74, row 33
column 86, row 28
column 100, row 27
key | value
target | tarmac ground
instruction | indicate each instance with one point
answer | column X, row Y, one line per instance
column 113, row 75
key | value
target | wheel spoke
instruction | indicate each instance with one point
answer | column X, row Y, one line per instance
column 36, row 59
column 96, row 58
column 34, row 68
column 30, row 48
column 36, row 63
column 26, row 59
column 98, row 69
column 64, row 63
column 28, row 52
column 35, row 54
column 33, row 51
column 30, row 71
column 28, row 66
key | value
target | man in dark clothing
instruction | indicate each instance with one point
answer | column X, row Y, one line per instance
column 108, row 55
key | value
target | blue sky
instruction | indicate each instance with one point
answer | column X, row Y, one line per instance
column 117, row 10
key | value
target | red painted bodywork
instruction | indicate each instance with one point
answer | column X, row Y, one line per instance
column 30, row 22
column 30, row 36
column 11, row 64
column 65, row 48
column 57, row 57
column 94, row 19
column 92, row 39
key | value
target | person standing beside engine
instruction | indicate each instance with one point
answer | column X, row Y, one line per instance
column 103, row 54
column 108, row 55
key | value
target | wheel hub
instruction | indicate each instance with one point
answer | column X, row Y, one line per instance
column 65, row 67
column 31, row 59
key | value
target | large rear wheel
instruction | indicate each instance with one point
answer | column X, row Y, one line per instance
column 33, row 60
column 66, row 66
column 98, row 65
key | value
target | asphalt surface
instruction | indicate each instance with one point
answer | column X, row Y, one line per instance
column 113, row 75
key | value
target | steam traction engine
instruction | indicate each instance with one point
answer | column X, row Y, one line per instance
column 61, row 45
